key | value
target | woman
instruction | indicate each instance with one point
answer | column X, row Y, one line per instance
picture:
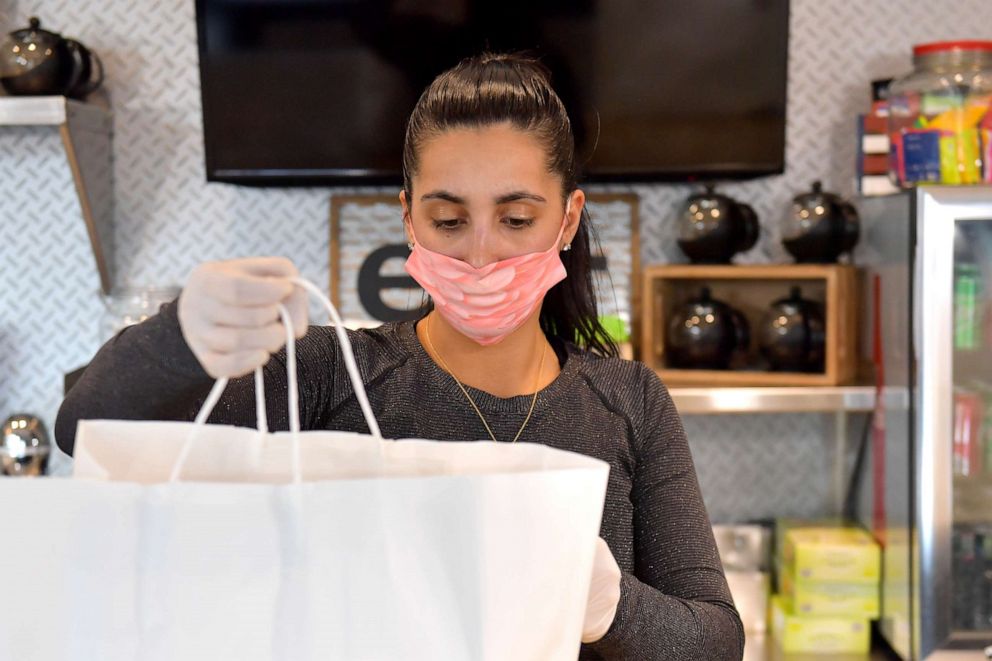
column 511, row 351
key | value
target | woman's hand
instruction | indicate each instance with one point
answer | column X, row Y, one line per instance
column 229, row 314
column 604, row 594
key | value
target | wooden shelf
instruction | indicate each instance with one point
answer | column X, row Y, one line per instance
column 86, row 131
column 750, row 290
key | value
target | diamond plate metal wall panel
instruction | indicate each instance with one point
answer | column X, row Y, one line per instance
column 168, row 219
column 760, row 466
column 8, row 9
column 49, row 284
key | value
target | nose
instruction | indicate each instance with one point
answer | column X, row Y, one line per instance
column 480, row 251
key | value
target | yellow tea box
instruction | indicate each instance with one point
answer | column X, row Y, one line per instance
column 814, row 598
column 840, row 555
column 782, row 527
column 829, row 634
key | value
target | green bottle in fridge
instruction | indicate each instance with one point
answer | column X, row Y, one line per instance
column 966, row 304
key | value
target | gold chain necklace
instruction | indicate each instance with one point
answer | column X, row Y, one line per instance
column 537, row 381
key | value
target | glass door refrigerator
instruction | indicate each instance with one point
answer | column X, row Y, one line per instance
column 927, row 257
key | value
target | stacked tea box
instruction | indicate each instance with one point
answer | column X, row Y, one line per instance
column 828, row 590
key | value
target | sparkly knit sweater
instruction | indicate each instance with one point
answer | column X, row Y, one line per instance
column 674, row 600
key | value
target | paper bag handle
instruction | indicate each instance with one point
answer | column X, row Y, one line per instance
column 294, row 406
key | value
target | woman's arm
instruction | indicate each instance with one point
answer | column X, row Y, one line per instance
column 145, row 372
column 676, row 605
column 148, row 372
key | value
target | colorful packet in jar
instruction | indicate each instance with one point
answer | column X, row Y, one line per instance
column 985, row 136
column 920, row 152
column 950, row 173
column 960, row 150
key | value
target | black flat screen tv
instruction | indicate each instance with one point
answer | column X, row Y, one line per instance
column 315, row 92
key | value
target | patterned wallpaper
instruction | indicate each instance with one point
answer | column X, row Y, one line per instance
column 168, row 218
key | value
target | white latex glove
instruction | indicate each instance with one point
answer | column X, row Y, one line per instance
column 229, row 316
column 604, row 594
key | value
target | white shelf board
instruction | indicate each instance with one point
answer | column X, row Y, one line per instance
column 52, row 111
column 805, row 399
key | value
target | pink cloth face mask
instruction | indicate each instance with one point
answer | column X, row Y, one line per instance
column 486, row 304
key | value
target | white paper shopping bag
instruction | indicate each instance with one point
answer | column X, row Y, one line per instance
column 193, row 541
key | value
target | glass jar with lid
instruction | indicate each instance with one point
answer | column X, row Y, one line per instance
column 940, row 122
column 129, row 305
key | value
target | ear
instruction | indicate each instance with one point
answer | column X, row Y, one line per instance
column 407, row 217
column 576, row 202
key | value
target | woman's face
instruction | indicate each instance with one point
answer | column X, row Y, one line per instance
column 484, row 195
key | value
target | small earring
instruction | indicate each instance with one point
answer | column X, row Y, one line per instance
column 409, row 245
column 566, row 247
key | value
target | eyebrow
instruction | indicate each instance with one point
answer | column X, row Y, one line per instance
column 502, row 199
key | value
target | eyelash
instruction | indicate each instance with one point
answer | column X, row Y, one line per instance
column 515, row 223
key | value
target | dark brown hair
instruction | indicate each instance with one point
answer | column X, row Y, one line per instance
column 494, row 88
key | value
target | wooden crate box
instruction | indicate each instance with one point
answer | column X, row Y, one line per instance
column 752, row 290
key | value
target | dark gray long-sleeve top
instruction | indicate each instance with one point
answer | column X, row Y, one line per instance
column 674, row 600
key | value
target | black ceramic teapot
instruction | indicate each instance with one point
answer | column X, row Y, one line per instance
column 705, row 333
column 34, row 61
column 714, row 227
column 821, row 227
column 792, row 334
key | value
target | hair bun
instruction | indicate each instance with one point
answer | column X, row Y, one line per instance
column 522, row 59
